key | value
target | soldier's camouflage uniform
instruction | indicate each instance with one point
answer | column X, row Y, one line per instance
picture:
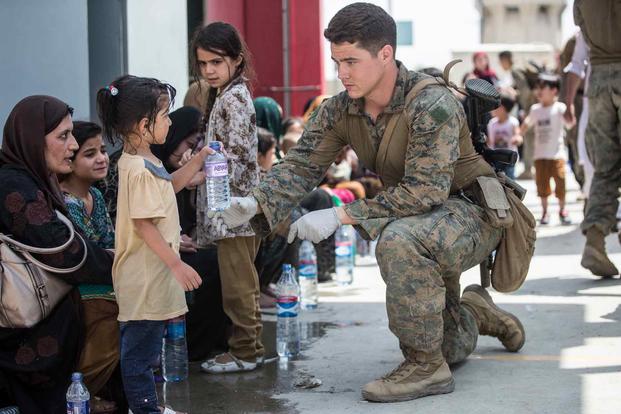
column 600, row 23
column 426, row 236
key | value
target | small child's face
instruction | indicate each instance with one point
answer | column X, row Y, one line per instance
column 505, row 63
column 216, row 69
column 545, row 94
column 500, row 113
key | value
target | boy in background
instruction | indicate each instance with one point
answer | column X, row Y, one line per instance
column 546, row 117
column 503, row 130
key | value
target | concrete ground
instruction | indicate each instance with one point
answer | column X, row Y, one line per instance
column 570, row 364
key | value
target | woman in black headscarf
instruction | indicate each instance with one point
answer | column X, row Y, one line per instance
column 205, row 322
column 36, row 363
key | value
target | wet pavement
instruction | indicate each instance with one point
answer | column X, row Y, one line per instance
column 570, row 363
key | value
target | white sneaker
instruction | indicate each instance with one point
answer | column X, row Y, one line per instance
column 232, row 364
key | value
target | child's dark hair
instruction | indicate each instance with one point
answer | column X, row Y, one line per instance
column 83, row 131
column 506, row 54
column 507, row 102
column 550, row 80
column 126, row 101
column 223, row 40
column 290, row 121
column 266, row 140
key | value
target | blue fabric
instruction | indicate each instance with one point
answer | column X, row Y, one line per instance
column 158, row 171
column 141, row 345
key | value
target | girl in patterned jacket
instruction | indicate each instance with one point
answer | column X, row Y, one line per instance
column 221, row 58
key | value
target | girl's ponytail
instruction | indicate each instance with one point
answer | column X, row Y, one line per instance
column 106, row 107
column 129, row 99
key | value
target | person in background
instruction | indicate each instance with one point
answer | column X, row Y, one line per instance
column 577, row 73
column 269, row 117
column 149, row 276
column 293, row 124
column 87, row 210
column 267, row 150
column 503, row 130
column 547, row 119
column 311, row 105
column 222, row 59
column 197, row 94
column 36, row 363
column 481, row 69
column 206, row 323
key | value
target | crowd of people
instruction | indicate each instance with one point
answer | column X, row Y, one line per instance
column 154, row 252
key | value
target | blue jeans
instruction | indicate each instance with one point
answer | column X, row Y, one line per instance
column 141, row 345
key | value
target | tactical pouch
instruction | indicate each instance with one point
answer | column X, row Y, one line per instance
column 491, row 195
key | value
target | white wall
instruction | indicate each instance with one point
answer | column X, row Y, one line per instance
column 157, row 43
column 44, row 50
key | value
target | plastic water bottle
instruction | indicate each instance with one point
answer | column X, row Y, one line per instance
column 287, row 327
column 344, row 252
column 77, row 396
column 175, row 352
column 307, row 271
column 217, row 179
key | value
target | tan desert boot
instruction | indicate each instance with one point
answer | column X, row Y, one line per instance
column 492, row 320
column 594, row 257
column 426, row 375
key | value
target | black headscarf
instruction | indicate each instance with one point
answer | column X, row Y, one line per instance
column 23, row 143
column 185, row 121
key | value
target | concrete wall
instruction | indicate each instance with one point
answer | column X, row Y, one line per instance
column 157, row 44
column 44, row 50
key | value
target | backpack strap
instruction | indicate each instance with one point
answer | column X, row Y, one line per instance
column 382, row 152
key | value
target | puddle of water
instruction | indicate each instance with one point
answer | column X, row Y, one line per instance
column 250, row 392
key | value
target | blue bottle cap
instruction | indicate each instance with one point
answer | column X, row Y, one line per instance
column 215, row 145
column 76, row 376
column 286, row 267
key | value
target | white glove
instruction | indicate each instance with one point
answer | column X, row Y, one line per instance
column 241, row 210
column 315, row 226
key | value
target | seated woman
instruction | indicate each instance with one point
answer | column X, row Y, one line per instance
column 206, row 323
column 36, row 363
column 87, row 210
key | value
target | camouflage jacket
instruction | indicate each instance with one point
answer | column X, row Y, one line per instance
column 233, row 122
column 434, row 120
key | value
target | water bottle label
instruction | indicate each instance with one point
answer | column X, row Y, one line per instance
column 343, row 249
column 287, row 306
column 216, row 169
column 81, row 407
column 308, row 270
column 175, row 330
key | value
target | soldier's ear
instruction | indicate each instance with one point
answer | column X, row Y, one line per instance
column 386, row 53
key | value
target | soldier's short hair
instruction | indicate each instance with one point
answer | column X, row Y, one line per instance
column 363, row 23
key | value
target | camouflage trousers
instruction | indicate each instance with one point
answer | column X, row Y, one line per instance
column 603, row 142
column 421, row 259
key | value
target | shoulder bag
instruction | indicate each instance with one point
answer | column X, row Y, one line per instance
column 29, row 289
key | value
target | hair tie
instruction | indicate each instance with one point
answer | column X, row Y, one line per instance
column 113, row 90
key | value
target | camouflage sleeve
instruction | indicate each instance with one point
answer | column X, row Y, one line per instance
column 435, row 118
column 302, row 169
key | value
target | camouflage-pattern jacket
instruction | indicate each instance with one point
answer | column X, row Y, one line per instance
column 427, row 155
column 233, row 122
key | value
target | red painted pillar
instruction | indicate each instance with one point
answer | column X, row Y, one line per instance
column 261, row 24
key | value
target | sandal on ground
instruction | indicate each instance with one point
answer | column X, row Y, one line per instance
column 227, row 363
column 101, row 406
